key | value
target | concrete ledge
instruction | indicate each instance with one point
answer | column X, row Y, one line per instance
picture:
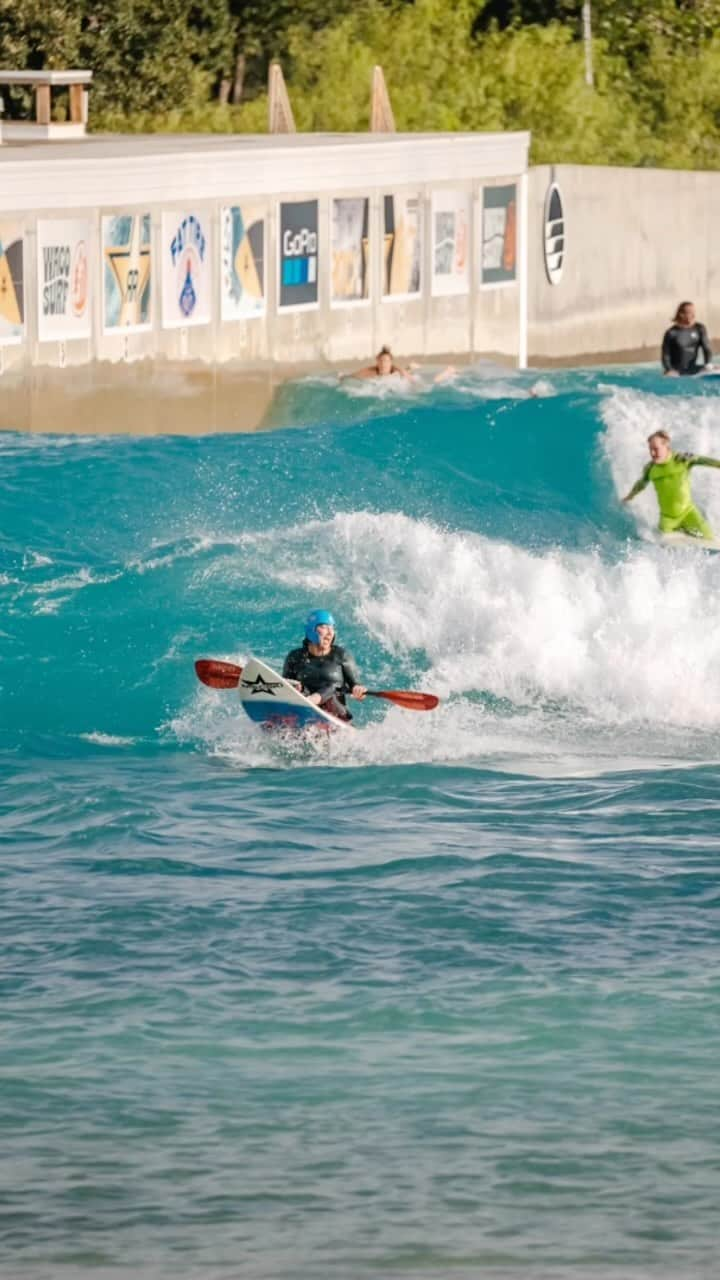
column 53, row 78
column 591, row 359
column 128, row 170
column 161, row 397
column 31, row 131
column 147, row 398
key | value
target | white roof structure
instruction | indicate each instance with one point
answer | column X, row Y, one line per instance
column 125, row 170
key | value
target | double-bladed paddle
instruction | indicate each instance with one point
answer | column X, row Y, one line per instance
column 216, row 674
column 226, row 675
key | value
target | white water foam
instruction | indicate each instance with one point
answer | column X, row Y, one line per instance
column 479, row 385
column 162, row 554
column 215, row 719
column 479, row 382
column 535, row 655
column 391, row 388
column 34, row 560
column 99, row 739
column 20, row 442
column 49, row 595
column 55, row 592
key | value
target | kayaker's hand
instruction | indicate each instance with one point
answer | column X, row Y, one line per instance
column 314, row 698
column 358, row 691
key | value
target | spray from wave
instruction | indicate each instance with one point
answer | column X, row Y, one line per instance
column 529, row 651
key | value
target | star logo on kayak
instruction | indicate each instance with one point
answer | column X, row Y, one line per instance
column 258, row 685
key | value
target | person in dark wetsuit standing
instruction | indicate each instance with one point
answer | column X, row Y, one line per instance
column 682, row 343
column 323, row 671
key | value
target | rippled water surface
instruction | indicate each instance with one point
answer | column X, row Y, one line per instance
column 440, row 998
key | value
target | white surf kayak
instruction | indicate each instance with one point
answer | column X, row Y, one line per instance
column 274, row 703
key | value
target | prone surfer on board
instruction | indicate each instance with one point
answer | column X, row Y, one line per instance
column 323, row 671
column 670, row 474
column 384, row 367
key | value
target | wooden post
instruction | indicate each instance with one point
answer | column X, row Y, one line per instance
column 42, row 103
column 280, row 116
column 382, row 119
column 76, row 103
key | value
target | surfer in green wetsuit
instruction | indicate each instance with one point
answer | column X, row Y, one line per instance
column 670, row 474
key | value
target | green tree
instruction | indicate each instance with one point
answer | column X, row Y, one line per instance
column 263, row 31
column 39, row 33
column 35, row 34
column 443, row 77
column 450, row 64
column 155, row 56
column 508, row 13
column 145, row 55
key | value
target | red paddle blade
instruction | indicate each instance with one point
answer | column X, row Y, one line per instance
column 406, row 698
column 218, row 675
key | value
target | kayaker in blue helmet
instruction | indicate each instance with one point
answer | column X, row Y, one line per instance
column 321, row 669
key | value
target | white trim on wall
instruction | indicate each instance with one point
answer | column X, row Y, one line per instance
column 167, row 169
column 523, row 274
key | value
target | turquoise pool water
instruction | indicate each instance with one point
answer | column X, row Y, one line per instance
column 442, row 1000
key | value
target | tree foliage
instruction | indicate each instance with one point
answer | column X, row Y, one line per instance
column 449, row 64
column 144, row 55
column 444, row 75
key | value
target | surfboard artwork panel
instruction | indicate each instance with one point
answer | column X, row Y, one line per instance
column 242, row 250
column 498, row 256
column 186, row 268
column 12, row 286
column 63, row 279
column 127, row 271
column 554, row 234
column 350, row 251
column 450, row 243
column 298, row 255
column 402, row 246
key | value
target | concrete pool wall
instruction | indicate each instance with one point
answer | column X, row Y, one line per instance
column 265, row 254
column 147, row 280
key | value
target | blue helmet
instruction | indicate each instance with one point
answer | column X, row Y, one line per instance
column 318, row 618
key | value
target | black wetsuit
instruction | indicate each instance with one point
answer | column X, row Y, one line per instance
column 332, row 676
column 680, row 348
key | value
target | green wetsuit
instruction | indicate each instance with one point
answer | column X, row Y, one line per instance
column 672, row 486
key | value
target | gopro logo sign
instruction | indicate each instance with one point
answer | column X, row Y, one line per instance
column 304, row 242
column 299, row 246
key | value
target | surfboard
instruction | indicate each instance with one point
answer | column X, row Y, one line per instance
column 689, row 543
column 274, row 703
